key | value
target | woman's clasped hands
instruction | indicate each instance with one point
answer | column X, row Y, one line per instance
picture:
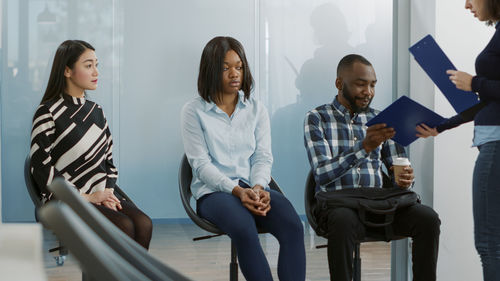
column 255, row 199
column 104, row 197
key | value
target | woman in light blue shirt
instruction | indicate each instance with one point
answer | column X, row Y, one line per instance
column 227, row 140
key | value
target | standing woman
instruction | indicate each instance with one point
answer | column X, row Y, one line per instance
column 70, row 138
column 227, row 140
column 486, row 116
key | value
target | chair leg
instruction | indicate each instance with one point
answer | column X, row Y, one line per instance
column 356, row 272
column 63, row 251
column 86, row 277
column 233, row 266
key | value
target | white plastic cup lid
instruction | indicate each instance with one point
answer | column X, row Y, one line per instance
column 401, row 161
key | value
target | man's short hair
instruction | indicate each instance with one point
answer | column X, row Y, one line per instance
column 349, row 60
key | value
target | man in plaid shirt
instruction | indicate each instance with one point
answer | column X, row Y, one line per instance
column 344, row 153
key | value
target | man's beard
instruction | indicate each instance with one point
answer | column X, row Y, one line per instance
column 352, row 101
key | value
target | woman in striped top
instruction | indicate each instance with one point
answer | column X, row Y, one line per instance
column 70, row 138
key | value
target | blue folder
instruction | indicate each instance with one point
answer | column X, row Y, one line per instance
column 434, row 62
column 404, row 115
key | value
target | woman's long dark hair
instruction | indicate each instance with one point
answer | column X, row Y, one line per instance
column 66, row 55
column 212, row 64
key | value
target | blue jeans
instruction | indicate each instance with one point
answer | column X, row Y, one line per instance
column 229, row 215
column 486, row 208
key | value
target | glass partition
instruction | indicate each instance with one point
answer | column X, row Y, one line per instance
column 149, row 54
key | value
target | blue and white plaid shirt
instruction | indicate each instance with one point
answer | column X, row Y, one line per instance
column 333, row 140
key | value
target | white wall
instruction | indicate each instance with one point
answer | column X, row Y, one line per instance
column 422, row 22
column 1, row 36
column 1, row 171
column 461, row 37
column 459, row 259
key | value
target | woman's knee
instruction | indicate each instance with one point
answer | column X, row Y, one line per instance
column 292, row 225
column 126, row 225
column 285, row 213
column 296, row 226
column 487, row 244
column 288, row 229
column 144, row 223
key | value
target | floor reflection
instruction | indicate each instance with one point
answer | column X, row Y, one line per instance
column 209, row 259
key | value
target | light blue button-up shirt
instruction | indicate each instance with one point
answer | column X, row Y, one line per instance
column 224, row 149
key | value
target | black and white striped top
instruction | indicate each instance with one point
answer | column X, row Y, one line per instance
column 70, row 137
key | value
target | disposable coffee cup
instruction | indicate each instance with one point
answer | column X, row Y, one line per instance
column 399, row 164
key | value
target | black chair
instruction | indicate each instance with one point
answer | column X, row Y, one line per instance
column 116, row 239
column 185, row 177
column 35, row 195
column 36, row 198
column 310, row 205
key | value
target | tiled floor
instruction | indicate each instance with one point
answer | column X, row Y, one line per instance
column 209, row 259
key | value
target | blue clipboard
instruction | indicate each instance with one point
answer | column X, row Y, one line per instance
column 434, row 62
column 404, row 115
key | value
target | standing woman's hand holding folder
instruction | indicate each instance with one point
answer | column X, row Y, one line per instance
column 424, row 131
column 462, row 80
column 457, row 89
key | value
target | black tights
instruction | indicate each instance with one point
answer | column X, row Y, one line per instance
column 130, row 220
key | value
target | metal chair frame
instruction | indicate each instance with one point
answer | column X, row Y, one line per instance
column 114, row 237
column 97, row 260
column 36, row 198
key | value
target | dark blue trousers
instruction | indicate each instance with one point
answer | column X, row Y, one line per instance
column 229, row 215
column 486, row 208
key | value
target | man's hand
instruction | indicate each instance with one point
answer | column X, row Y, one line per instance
column 250, row 200
column 376, row 135
column 406, row 177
